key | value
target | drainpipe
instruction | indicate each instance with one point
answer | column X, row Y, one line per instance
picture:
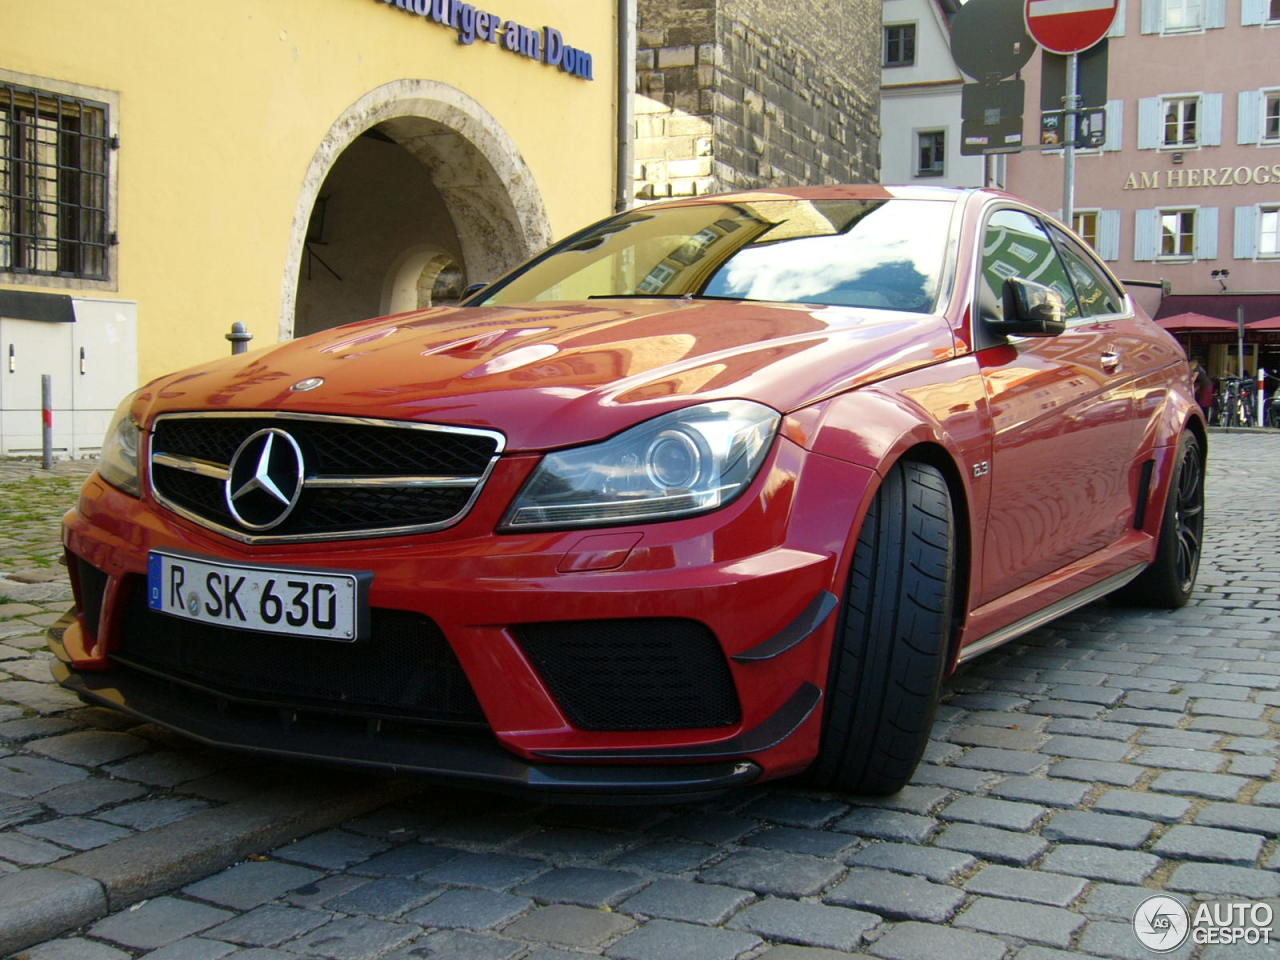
column 625, row 185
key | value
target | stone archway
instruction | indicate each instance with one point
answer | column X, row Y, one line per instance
column 425, row 275
column 467, row 160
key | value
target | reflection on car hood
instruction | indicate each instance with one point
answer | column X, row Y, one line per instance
column 557, row 374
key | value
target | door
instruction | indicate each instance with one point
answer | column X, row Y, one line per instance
column 1062, row 417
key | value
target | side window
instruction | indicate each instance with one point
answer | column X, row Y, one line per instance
column 1096, row 294
column 1015, row 244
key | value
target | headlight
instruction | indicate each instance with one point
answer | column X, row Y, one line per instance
column 118, row 464
column 682, row 463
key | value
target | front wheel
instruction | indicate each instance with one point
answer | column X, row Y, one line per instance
column 1171, row 577
column 892, row 642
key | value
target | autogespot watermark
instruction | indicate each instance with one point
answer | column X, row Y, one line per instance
column 1164, row 923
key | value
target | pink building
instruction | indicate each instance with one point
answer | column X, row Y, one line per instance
column 1188, row 182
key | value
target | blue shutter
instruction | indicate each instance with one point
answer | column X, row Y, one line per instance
column 1152, row 15
column 1246, row 246
column 1149, row 123
column 1253, row 12
column 1206, row 239
column 1146, row 234
column 1210, row 119
column 1215, row 14
column 1117, row 25
column 1109, row 234
column 1115, row 125
column 1248, row 113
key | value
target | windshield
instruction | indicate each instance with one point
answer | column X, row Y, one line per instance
column 885, row 254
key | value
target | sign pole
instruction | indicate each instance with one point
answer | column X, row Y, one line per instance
column 1240, row 339
column 1070, row 103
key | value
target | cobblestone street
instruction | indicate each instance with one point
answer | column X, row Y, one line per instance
column 1106, row 757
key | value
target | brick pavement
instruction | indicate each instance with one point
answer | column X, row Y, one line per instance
column 1108, row 756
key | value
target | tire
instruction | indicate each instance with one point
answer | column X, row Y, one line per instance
column 1171, row 576
column 892, row 641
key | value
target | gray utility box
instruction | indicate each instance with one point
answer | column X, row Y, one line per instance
column 91, row 353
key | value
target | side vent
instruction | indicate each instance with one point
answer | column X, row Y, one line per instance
column 1144, row 492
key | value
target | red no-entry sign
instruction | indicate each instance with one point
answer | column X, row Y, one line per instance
column 1069, row 26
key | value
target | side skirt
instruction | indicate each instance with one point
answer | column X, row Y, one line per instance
column 1053, row 611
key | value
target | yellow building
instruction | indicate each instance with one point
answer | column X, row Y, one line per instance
column 169, row 169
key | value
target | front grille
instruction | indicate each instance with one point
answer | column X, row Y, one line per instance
column 641, row 674
column 404, row 668
column 362, row 477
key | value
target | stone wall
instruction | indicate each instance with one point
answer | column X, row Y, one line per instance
column 745, row 93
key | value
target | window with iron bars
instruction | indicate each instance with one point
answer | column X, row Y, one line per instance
column 54, row 152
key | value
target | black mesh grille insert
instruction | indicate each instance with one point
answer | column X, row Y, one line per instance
column 93, row 586
column 406, row 666
column 330, row 448
column 333, row 447
column 645, row 674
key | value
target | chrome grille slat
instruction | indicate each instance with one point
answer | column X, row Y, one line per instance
column 363, row 477
column 441, row 482
column 204, row 468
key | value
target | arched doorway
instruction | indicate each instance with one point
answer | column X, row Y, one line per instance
column 414, row 192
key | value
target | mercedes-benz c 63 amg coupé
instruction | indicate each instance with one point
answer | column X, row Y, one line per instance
column 712, row 491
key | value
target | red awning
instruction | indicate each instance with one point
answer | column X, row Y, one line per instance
column 1271, row 323
column 1196, row 322
column 1227, row 306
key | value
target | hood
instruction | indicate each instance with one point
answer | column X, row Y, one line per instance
column 564, row 373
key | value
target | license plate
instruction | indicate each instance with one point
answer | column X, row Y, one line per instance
column 330, row 604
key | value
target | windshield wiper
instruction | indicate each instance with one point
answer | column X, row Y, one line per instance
column 638, row 296
column 666, row 296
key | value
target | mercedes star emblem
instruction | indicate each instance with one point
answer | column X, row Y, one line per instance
column 308, row 384
column 265, row 479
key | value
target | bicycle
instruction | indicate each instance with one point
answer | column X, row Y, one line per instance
column 1235, row 402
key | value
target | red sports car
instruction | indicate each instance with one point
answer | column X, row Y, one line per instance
column 712, row 491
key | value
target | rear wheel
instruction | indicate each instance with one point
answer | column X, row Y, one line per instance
column 892, row 642
column 1171, row 577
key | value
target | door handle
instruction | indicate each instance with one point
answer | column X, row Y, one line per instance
column 1110, row 361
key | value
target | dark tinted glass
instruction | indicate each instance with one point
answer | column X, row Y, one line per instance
column 1015, row 244
column 1095, row 292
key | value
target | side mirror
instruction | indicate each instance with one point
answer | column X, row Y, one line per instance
column 1031, row 310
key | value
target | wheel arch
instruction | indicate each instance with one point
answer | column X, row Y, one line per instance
column 938, row 457
column 877, row 430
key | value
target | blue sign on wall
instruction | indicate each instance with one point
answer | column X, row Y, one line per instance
column 472, row 24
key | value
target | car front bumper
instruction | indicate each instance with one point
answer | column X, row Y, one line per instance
column 756, row 576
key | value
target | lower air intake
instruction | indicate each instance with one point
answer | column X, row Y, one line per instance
column 640, row 674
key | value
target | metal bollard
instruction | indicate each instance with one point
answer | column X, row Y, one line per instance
column 239, row 338
column 46, row 419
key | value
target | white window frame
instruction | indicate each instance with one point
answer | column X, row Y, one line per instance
column 1268, row 211
column 1195, row 225
column 1078, row 218
column 916, row 135
column 1153, row 110
column 1106, row 231
column 1269, row 103
column 1168, row 5
column 1181, row 103
column 1155, row 17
